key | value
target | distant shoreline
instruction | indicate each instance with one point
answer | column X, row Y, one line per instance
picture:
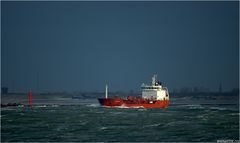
column 88, row 98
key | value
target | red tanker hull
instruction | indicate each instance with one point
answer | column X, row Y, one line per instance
column 112, row 102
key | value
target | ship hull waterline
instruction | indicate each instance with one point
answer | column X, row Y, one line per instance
column 112, row 102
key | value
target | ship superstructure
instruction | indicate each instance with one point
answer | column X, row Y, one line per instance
column 155, row 91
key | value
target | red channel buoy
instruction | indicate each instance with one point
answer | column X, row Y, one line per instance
column 30, row 98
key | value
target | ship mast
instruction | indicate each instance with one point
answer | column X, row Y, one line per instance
column 154, row 79
column 106, row 92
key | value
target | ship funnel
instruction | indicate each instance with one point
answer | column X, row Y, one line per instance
column 106, row 92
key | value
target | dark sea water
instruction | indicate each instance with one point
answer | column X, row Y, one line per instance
column 93, row 123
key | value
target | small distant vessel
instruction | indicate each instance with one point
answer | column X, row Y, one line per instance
column 153, row 96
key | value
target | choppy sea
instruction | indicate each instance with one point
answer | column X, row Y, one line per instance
column 89, row 122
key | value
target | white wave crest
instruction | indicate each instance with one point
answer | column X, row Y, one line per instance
column 40, row 106
column 234, row 114
column 218, row 108
column 94, row 105
column 103, row 128
column 154, row 125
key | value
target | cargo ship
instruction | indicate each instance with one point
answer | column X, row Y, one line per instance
column 153, row 96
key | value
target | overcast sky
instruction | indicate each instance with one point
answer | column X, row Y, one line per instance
column 81, row 46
